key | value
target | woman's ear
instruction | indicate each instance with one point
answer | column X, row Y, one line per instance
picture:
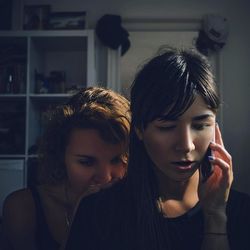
column 139, row 134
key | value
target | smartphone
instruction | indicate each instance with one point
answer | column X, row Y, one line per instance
column 206, row 166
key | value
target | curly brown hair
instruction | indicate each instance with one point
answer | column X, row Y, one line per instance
column 91, row 108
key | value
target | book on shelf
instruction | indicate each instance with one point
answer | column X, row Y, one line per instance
column 12, row 70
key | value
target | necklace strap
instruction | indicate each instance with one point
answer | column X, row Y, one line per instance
column 68, row 207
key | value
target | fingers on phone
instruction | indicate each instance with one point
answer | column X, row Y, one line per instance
column 226, row 173
column 225, row 168
column 221, row 152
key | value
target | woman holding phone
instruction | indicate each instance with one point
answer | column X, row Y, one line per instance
column 165, row 202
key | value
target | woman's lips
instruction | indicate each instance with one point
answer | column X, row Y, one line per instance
column 184, row 165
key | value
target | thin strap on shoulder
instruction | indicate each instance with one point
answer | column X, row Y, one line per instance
column 44, row 237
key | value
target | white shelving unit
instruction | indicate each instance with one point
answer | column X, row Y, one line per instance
column 69, row 51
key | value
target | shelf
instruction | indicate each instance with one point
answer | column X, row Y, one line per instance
column 12, row 96
column 65, row 59
column 42, row 33
column 45, row 96
column 33, row 156
column 10, row 156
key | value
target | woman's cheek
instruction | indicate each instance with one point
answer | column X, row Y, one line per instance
column 119, row 172
column 204, row 140
column 80, row 178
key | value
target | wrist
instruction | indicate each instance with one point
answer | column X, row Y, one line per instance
column 215, row 223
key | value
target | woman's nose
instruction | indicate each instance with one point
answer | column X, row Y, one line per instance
column 185, row 141
column 103, row 174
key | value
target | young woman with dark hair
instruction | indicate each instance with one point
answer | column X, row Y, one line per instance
column 177, row 194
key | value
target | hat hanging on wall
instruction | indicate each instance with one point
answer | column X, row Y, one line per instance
column 111, row 33
column 213, row 34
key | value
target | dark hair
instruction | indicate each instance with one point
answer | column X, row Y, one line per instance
column 91, row 108
column 164, row 88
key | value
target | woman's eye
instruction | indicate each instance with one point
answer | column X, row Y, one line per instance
column 117, row 160
column 86, row 163
column 166, row 128
column 200, row 126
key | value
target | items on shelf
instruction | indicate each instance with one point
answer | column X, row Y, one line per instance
column 12, row 129
column 39, row 17
column 67, row 20
column 54, row 83
column 73, row 89
column 12, row 69
column 36, row 17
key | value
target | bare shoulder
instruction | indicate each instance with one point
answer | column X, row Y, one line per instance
column 18, row 200
column 19, row 220
column 19, row 209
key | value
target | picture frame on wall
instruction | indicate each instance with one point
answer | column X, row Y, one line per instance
column 36, row 17
column 67, row 20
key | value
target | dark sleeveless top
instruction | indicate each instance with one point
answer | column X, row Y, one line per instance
column 44, row 238
column 100, row 218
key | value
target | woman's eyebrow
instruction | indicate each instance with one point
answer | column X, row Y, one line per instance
column 202, row 117
column 195, row 118
column 166, row 119
column 89, row 157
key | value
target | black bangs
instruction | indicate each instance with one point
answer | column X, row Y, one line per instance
column 175, row 100
column 183, row 101
column 167, row 85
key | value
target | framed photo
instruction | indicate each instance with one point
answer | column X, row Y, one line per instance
column 67, row 20
column 36, row 17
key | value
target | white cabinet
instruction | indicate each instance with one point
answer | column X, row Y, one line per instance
column 37, row 70
column 11, row 178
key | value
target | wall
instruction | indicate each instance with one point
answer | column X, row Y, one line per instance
column 234, row 57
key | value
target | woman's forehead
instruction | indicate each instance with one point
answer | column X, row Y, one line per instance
column 196, row 109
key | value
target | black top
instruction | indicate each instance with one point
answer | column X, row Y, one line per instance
column 44, row 238
column 99, row 221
